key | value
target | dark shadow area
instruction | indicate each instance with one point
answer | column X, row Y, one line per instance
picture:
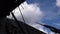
column 29, row 29
column 6, row 6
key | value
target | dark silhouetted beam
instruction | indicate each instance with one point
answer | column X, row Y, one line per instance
column 52, row 28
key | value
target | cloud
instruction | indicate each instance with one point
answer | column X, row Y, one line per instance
column 52, row 33
column 58, row 3
column 31, row 12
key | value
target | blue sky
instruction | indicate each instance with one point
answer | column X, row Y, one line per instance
column 50, row 10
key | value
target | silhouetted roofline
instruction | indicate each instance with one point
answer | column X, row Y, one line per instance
column 30, row 29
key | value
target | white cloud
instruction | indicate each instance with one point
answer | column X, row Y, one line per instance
column 31, row 12
column 58, row 3
column 52, row 33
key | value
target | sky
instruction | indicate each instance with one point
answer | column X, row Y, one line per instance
column 40, row 11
